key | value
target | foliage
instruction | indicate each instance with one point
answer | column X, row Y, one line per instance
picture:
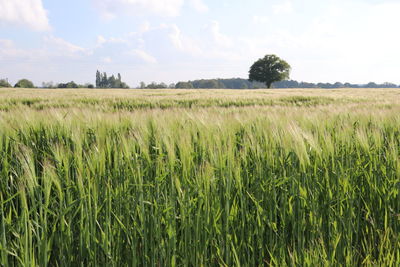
column 269, row 69
column 155, row 85
column 68, row 85
column 238, row 83
column 49, row 85
column 235, row 83
column 71, row 84
column 102, row 81
column 142, row 85
column 4, row 83
column 24, row 83
column 208, row 84
column 184, row 85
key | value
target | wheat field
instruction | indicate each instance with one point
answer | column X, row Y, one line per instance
column 200, row 177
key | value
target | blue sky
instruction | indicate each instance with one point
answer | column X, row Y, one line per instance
column 171, row 40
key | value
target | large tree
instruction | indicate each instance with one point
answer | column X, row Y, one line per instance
column 24, row 83
column 269, row 69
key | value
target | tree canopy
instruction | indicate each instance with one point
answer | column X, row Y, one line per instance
column 102, row 81
column 269, row 69
column 24, row 83
column 4, row 83
column 70, row 84
column 184, row 85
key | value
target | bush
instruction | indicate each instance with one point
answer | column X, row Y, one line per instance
column 24, row 83
column 4, row 83
column 71, row 84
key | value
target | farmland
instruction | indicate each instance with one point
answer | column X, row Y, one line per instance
column 200, row 177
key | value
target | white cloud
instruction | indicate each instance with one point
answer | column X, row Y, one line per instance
column 167, row 8
column 6, row 44
column 199, row 5
column 176, row 37
column 106, row 60
column 143, row 55
column 63, row 47
column 283, row 8
column 260, row 19
column 29, row 13
column 8, row 50
column 219, row 38
column 144, row 27
column 100, row 40
column 183, row 43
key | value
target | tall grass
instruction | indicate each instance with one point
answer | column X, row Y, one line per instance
column 279, row 186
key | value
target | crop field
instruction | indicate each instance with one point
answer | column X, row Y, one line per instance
column 200, row 177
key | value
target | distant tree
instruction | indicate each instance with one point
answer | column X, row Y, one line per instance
column 235, row 83
column 151, row 85
column 24, row 83
column 388, row 85
column 269, row 69
column 371, row 85
column 211, row 84
column 104, row 81
column 48, row 85
column 4, row 83
column 70, row 84
column 338, row 85
column 155, row 85
column 124, row 85
column 307, row 85
column 98, row 79
column 142, row 85
column 112, row 82
column 208, row 84
column 184, row 85
column 323, row 85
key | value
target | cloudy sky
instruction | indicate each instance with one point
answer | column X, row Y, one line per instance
column 354, row 41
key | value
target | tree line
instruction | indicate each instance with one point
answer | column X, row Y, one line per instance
column 238, row 83
column 102, row 81
column 25, row 83
column 234, row 83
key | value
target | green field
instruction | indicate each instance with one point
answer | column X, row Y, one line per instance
column 200, row 177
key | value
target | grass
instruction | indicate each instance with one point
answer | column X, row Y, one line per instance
column 203, row 178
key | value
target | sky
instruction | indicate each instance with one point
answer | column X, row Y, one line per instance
column 354, row 41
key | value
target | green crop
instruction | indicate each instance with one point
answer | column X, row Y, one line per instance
column 290, row 184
